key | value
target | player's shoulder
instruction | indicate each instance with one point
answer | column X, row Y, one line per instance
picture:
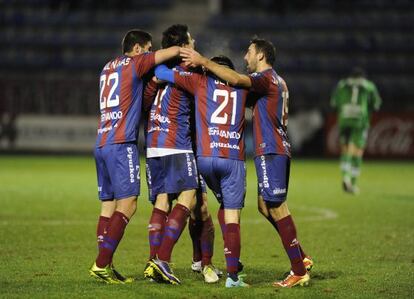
column 143, row 56
column 279, row 78
column 112, row 64
column 275, row 78
column 369, row 84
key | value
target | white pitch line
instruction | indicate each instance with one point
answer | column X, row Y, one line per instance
column 317, row 214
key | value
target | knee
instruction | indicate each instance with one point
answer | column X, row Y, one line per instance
column 127, row 206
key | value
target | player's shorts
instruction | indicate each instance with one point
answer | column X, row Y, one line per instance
column 226, row 178
column 201, row 183
column 171, row 174
column 353, row 134
column 272, row 177
column 117, row 168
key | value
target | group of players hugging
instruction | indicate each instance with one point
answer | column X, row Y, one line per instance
column 194, row 137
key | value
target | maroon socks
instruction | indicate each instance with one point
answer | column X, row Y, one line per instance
column 202, row 235
column 156, row 230
column 232, row 247
column 114, row 232
column 287, row 232
column 173, row 229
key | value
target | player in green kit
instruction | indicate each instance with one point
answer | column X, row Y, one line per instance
column 354, row 99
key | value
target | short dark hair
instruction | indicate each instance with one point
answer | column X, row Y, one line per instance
column 223, row 60
column 175, row 35
column 135, row 36
column 266, row 47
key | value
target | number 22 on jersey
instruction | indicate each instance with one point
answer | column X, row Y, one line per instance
column 111, row 82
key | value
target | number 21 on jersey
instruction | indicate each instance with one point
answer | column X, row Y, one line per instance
column 216, row 118
column 111, row 82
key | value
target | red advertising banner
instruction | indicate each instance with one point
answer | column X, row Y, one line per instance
column 391, row 135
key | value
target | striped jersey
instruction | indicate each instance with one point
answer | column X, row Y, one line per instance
column 169, row 118
column 270, row 113
column 219, row 115
column 120, row 98
column 355, row 99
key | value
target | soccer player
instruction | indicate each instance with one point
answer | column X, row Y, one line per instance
column 354, row 98
column 220, row 151
column 116, row 153
column 272, row 147
column 172, row 171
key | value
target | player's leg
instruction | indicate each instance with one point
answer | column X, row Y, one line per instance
column 202, row 234
column 233, row 190
column 107, row 209
column 176, row 222
column 357, row 145
column 156, row 228
column 287, row 232
column 264, row 210
column 344, row 141
column 175, row 225
column 273, row 187
column 194, row 228
column 123, row 167
column 181, row 178
column 105, row 193
column 108, row 205
column 157, row 223
column 161, row 204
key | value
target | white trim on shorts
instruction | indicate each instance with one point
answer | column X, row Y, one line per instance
column 153, row 152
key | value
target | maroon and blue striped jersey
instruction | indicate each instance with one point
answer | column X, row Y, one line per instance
column 219, row 115
column 169, row 118
column 270, row 113
column 120, row 98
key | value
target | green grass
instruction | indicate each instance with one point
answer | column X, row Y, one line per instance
column 363, row 245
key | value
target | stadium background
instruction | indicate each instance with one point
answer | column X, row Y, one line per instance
column 52, row 51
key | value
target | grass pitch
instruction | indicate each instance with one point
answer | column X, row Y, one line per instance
column 362, row 245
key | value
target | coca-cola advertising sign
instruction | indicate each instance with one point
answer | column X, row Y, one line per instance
column 391, row 135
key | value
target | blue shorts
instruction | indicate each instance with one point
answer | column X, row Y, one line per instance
column 201, row 184
column 273, row 177
column 171, row 174
column 226, row 178
column 117, row 168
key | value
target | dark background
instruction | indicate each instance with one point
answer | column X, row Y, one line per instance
column 51, row 53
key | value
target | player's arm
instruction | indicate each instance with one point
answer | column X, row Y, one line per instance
column 376, row 99
column 185, row 80
column 162, row 72
column 192, row 57
column 166, row 54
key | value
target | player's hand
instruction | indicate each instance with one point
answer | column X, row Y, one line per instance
column 191, row 57
column 157, row 81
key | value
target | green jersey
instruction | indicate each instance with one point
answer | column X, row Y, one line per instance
column 355, row 99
